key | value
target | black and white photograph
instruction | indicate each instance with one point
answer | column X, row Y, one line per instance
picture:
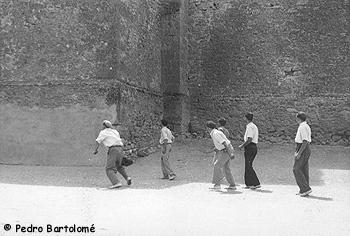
column 175, row 117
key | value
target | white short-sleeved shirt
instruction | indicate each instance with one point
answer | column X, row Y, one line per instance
column 109, row 137
column 303, row 133
column 165, row 133
column 218, row 138
column 251, row 132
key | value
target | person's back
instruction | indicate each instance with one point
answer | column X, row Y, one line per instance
column 225, row 131
column 222, row 122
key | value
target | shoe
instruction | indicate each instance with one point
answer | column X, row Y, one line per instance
column 216, row 186
column 118, row 185
column 304, row 194
column 231, row 188
column 248, row 187
column 297, row 194
column 128, row 181
column 172, row 177
column 255, row 187
column 165, row 177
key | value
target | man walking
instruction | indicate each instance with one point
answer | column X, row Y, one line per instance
column 250, row 150
column 221, row 159
column 302, row 155
column 166, row 140
column 111, row 139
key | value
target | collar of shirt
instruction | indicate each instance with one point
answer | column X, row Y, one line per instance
column 303, row 123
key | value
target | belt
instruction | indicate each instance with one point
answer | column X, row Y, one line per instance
column 115, row 146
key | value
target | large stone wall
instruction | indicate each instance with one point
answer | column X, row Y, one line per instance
column 67, row 65
column 272, row 58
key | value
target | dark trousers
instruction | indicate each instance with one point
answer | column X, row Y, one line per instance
column 250, row 177
column 301, row 169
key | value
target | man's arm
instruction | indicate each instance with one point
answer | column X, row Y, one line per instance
column 249, row 140
column 302, row 148
column 96, row 148
column 163, row 136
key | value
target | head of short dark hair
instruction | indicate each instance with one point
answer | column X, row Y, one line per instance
column 164, row 122
column 249, row 116
column 211, row 124
column 301, row 116
column 222, row 121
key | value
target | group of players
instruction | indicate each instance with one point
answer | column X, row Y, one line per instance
column 223, row 154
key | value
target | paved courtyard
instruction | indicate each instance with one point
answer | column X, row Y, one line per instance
column 59, row 196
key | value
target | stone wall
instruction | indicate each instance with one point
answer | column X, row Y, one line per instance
column 272, row 58
column 174, row 54
column 67, row 65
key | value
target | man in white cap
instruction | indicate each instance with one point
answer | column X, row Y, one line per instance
column 111, row 139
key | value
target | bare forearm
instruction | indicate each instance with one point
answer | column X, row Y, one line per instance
column 97, row 146
column 249, row 140
column 303, row 146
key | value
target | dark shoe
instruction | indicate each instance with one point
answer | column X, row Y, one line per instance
column 165, row 177
column 129, row 181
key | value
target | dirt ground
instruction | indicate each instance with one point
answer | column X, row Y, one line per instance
column 60, row 196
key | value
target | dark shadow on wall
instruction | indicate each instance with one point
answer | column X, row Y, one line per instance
column 318, row 31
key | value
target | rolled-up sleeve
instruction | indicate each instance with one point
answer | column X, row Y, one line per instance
column 250, row 132
column 100, row 137
column 304, row 134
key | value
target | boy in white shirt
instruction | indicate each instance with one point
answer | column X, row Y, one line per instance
column 302, row 155
column 222, row 157
column 166, row 140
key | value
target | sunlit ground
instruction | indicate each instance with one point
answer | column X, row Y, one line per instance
column 76, row 195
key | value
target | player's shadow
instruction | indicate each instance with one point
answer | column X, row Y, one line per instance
column 230, row 192
column 262, row 190
column 312, row 197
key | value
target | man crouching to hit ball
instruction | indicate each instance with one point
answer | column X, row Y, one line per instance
column 111, row 139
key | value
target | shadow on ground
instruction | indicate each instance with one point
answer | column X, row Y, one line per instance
column 273, row 166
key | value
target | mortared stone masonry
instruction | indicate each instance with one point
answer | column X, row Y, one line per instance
column 67, row 65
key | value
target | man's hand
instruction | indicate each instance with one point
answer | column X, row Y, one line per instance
column 95, row 152
column 297, row 155
column 214, row 160
column 240, row 146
